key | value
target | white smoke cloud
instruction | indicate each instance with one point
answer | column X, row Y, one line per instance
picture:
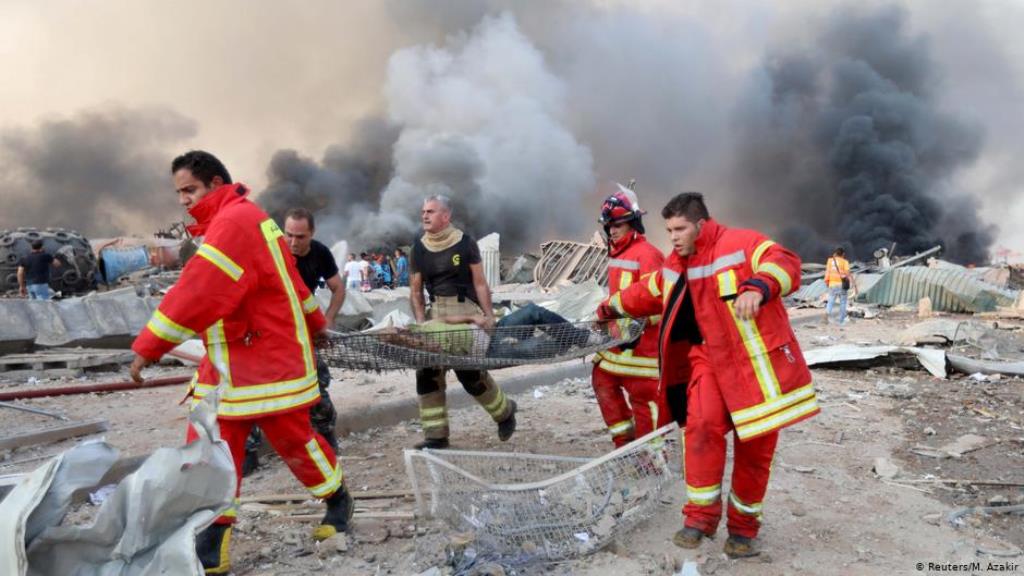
column 482, row 121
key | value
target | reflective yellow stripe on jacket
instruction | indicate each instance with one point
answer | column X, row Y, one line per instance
column 271, row 233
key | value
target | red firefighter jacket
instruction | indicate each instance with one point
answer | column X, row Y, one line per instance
column 243, row 294
column 629, row 261
column 764, row 378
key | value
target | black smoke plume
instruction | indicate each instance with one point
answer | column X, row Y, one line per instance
column 844, row 142
column 102, row 172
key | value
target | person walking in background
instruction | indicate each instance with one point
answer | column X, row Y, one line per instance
column 353, row 273
column 34, row 272
column 838, row 280
column 401, row 268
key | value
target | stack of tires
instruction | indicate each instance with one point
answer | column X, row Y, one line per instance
column 75, row 275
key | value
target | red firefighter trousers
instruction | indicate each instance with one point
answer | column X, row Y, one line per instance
column 307, row 453
column 707, row 423
column 645, row 411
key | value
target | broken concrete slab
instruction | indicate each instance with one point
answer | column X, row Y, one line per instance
column 967, row 443
column 108, row 319
column 16, row 331
column 957, row 448
column 943, row 331
column 885, row 469
column 934, row 361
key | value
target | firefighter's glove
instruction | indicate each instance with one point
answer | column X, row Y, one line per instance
column 606, row 312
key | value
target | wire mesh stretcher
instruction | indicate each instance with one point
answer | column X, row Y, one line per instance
column 468, row 347
column 529, row 508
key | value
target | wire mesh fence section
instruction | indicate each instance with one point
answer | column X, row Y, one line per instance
column 469, row 347
column 522, row 509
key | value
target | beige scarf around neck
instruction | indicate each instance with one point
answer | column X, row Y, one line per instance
column 443, row 240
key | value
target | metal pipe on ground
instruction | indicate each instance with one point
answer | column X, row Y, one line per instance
column 89, row 388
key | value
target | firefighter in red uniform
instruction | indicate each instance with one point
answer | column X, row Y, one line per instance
column 243, row 294
column 629, row 370
column 729, row 362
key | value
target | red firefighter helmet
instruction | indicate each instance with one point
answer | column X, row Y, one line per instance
column 622, row 206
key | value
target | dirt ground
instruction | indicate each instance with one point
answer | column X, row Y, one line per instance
column 827, row 511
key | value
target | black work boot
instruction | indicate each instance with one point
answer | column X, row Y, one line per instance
column 212, row 548
column 432, row 444
column 740, row 547
column 251, row 463
column 340, row 508
column 507, row 427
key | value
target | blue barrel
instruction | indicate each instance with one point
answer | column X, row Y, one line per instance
column 118, row 262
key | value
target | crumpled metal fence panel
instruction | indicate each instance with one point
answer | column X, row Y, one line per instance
column 950, row 290
column 530, row 508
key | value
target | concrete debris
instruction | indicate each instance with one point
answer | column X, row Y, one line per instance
column 943, row 331
column 957, row 448
column 104, row 320
column 934, row 361
column 967, row 443
column 147, row 526
column 521, row 270
column 897, row 390
column 885, row 469
column 337, row 544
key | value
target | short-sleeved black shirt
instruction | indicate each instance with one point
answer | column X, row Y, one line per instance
column 37, row 267
column 318, row 264
column 443, row 272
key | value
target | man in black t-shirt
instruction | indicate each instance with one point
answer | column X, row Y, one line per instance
column 316, row 265
column 446, row 261
column 34, row 272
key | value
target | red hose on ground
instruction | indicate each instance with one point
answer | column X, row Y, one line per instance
column 86, row 389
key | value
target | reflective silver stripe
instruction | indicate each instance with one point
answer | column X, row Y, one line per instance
column 624, row 264
column 670, row 275
column 707, row 270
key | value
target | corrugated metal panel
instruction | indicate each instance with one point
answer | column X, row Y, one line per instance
column 951, row 290
column 810, row 293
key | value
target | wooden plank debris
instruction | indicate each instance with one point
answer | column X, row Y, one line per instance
column 61, row 362
column 48, row 435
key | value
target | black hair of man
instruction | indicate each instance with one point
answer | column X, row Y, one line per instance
column 840, row 251
column 362, row 255
column 37, row 244
column 203, row 165
column 689, row 205
column 301, row 214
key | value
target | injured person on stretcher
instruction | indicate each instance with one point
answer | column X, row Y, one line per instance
column 530, row 332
